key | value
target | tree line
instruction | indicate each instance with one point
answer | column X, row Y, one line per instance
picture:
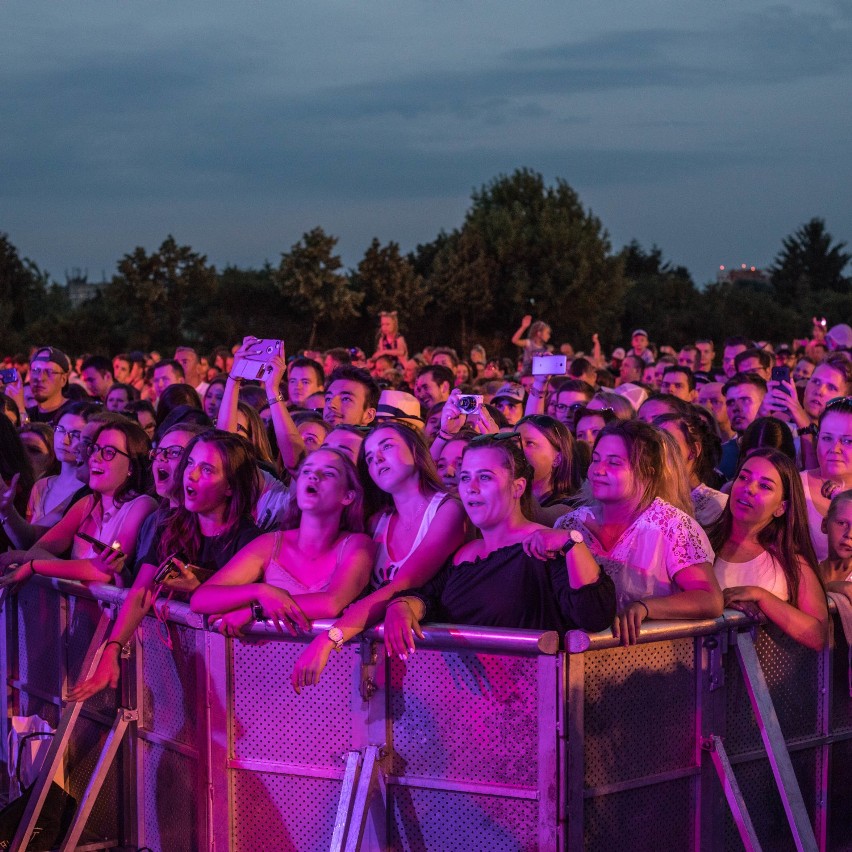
column 524, row 247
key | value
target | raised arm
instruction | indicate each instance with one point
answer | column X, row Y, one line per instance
column 517, row 337
column 290, row 442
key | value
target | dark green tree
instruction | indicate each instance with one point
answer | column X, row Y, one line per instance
column 388, row 281
column 809, row 264
column 28, row 303
column 526, row 247
column 313, row 283
column 158, row 300
column 660, row 298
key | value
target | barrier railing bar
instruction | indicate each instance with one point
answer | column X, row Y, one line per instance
column 644, row 781
column 5, row 651
column 124, row 717
column 476, row 787
column 733, row 794
column 56, row 750
column 344, row 805
column 365, row 788
column 814, row 742
column 278, row 768
column 773, row 740
column 216, row 681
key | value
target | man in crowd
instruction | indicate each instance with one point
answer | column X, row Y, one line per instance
column 757, row 361
column 49, row 371
column 167, row 372
column 680, row 382
column 631, row 370
column 128, row 368
column 193, row 371
column 351, row 396
column 509, row 401
column 96, row 375
column 733, row 347
column 744, row 393
column 639, row 346
column 433, row 385
column 304, row 377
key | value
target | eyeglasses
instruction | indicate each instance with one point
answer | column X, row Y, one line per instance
column 562, row 408
column 38, row 373
column 107, row 452
column 73, row 434
column 170, row 453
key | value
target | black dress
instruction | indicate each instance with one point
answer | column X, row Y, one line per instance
column 508, row 588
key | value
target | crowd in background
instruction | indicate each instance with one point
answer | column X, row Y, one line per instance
column 552, row 490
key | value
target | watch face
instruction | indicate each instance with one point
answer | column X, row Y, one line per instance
column 335, row 634
column 576, row 536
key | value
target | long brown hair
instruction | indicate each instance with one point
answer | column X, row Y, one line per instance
column 182, row 533
column 786, row 538
column 565, row 479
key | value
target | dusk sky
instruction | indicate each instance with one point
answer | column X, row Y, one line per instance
column 712, row 129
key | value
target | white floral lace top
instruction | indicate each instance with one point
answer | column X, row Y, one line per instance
column 646, row 559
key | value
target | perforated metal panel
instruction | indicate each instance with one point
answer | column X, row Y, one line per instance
column 427, row 820
column 283, row 812
column 170, row 806
column 627, row 691
column 170, row 682
column 492, row 737
column 271, row 722
column 39, row 641
column 792, row 674
column 655, row 818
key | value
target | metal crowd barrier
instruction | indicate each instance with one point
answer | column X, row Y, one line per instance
column 707, row 735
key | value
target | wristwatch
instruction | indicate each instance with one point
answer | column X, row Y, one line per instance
column 574, row 537
column 257, row 612
column 335, row 635
column 807, row 430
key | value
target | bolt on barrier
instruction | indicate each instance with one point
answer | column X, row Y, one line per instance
column 707, row 735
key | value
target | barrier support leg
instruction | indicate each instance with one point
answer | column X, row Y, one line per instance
column 776, row 748
column 733, row 794
column 344, row 806
column 367, row 784
column 119, row 727
column 56, row 751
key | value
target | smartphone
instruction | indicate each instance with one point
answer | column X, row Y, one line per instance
column 549, row 365
column 781, row 374
column 470, row 403
column 99, row 545
column 167, row 571
column 258, row 354
column 8, row 376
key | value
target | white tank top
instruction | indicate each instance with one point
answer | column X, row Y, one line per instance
column 761, row 571
column 385, row 568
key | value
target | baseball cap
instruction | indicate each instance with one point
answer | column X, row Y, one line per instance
column 49, row 353
column 839, row 337
column 639, row 331
column 511, row 390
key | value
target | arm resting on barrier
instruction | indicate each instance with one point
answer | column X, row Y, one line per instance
column 806, row 621
column 700, row 597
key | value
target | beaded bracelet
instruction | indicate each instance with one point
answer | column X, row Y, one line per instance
column 647, row 611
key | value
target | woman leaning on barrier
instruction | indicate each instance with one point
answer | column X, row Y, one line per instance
column 216, row 471
column 312, row 569
column 100, row 530
column 636, row 523
column 509, row 577
column 416, row 528
column 765, row 561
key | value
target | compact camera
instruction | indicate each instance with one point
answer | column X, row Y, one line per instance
column 8, row 376
column 257, row 354
column 470, row 403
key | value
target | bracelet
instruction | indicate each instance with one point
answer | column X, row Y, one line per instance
column 647, row 611
column 273, row 399
column 807, row 430
column 396, row 601
column 445, row 436
column 114, row 642
column 32, row 566
column 535, row 393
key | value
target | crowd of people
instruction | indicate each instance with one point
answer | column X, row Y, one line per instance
column 555, row 490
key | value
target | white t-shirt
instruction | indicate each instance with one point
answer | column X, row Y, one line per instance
column 652, row 550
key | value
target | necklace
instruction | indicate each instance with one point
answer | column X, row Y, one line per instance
column 407, row 525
